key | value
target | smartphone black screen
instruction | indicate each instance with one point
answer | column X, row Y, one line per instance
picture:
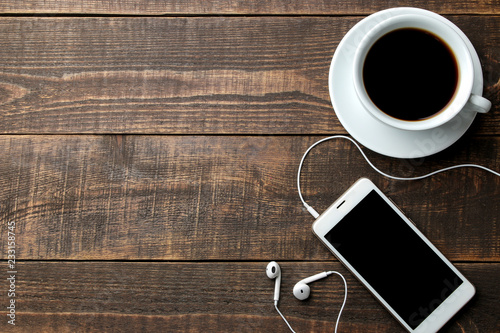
column 393, row 259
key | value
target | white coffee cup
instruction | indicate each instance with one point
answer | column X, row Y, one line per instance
column 463, row 98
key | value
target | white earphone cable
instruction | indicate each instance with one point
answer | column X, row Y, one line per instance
column 345, row 298
column 286, row 321
column 315, row 214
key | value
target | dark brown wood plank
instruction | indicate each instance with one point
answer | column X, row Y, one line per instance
column 208, row 75
column 309, row 7
column 215, row 296
column 224, row 197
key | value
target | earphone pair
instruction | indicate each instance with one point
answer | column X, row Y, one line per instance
column 301, row 290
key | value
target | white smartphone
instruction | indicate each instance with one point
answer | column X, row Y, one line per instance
column 370, row 235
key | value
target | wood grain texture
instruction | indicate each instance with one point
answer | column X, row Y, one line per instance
column 172, row 232
column 224, row 197
column 239, row 7
column 222, row 297
column 188, row 75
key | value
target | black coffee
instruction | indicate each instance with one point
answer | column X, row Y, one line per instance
column 410, row 74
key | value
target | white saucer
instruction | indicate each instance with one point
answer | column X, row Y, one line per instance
column 371, row 132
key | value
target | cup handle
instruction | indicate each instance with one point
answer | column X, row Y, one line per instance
column 479, row 104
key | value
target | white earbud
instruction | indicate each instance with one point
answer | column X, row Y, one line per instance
column 273, row 271
column 302, row 290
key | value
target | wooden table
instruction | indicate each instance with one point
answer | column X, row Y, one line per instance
column 148, row 159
